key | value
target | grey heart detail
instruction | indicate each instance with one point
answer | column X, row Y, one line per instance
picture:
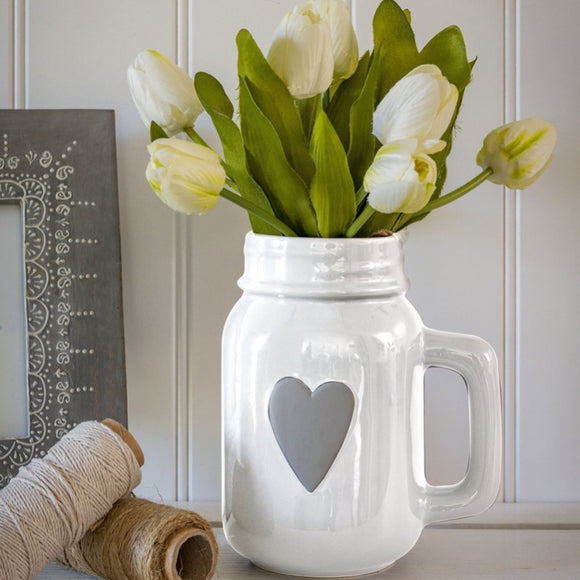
column 310, row 426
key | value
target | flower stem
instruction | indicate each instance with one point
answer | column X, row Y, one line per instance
column 360, row 221
column 195, row 136
column 308, row 109
column 445, row 199
column 325, row 99
column 360, row 195
column 258, row 212
column 396, row 224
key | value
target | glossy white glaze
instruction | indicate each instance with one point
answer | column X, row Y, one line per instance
column 335, row 310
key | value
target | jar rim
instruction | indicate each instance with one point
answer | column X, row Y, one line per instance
column 324, row 267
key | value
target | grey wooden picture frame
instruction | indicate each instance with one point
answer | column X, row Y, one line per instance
column 60, row 165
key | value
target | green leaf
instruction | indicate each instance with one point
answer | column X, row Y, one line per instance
column 447, row 51
column 395, row 45
column 362, row 143
column 332, row 190
column 214, row 96
column 377, row 222
column 284, row 187
column 156, row 132
column 380, row 221
column 398, row 55
column 308, row 110
column 220, row 109
column 276, row 103
column 346, row 94
column 454, row 62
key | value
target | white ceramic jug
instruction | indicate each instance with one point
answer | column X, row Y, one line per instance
column 323, row 449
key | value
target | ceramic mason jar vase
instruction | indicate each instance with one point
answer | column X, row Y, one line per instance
column 323, row 364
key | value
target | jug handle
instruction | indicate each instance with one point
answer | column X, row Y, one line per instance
column 475, row 360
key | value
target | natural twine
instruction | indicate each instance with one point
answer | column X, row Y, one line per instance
column 142, row 540
column 54, row 501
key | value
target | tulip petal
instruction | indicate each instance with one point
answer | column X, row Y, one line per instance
column 163, row 92
column 188, row 177
column 391, row 162
column 301, row 52
column 519, row 152
column 343, row 37
column 448, row 97
column 398, row 196
column 191, row 189
column 433, row 146
column 167, row 150
column 408, row 110
column 400, row 179
column 420, row 106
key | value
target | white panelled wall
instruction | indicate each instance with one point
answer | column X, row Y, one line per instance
column 498, row 264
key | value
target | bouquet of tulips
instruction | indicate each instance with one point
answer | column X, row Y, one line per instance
column 326, row 143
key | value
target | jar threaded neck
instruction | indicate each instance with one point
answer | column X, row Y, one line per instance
column 323, row 267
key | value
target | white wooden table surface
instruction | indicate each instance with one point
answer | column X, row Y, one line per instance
column 511, row 541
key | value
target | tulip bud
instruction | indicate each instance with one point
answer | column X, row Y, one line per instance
column 163, row 92
column 518, row 153
column 400, row 179
column 186, row 176
column 343, row 36
column 301, row 52
column 419, row 106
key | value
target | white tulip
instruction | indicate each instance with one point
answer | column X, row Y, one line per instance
column 400, row 179
column 343, row 36
column 419, row 106
column 519, row 152
column 301, row 52
column 163, row 92
column 186, row 176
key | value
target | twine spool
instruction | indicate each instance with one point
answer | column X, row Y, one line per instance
column 52, row 502
column 142, row 540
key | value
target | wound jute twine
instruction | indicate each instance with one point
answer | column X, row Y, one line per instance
column 73, row 506
column 53, row 501
column 142, row 540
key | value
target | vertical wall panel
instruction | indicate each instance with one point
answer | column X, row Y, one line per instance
column 6, row 54
column 80, row 61
column 511, row 262
column 176, row 299
column 549, row 397
column 454, row 257
column 217, row 238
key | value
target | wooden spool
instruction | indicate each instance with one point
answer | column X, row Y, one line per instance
column 190, row 553
column 190, row 556
column 127, row 437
